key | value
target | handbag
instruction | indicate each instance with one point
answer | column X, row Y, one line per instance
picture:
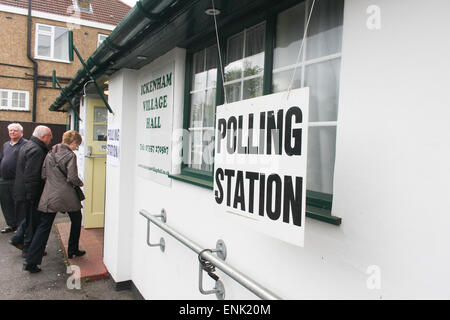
column 79, row 193
column 77, row 189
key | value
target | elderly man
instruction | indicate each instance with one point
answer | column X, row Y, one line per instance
column 29, row 185
column 8, row 162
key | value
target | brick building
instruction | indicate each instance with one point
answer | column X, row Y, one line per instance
column 34, row 39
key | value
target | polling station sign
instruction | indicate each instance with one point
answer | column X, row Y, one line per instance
column 260, row 163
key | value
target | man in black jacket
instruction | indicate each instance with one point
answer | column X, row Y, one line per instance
column 8, row 162
column 29, row 185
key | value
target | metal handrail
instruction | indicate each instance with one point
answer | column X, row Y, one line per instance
column 245, row 281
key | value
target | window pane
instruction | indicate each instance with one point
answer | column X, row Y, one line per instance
column 207, row 150
column 15, row 99
column 197, row 102
column 209, row 108
column 199, row 74
column 281, row 80
column 100, row 114
column 4, row 100
column 290, row 29
column 233, row 92
column 196, row 149
column 321, row 155
column 325, row 29
column 253, row 88
column 254, row 50
column 61, row 46
column 323, row 80
column 100, row 132
column 211, row 66
column 235, row 51
column 44, row 45
column 101, row 38
column 22, row 100
column 45, row 28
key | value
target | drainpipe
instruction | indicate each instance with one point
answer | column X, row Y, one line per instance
column 35, row 65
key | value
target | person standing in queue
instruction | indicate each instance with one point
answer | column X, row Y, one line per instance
column 60, row 173
column 8, row 163
column 28, row 185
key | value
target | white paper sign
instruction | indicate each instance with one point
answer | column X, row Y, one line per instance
column 260, row 163
column 113, row 145
column 155, row 109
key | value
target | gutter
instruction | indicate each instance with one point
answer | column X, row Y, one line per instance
column 125, row 36
column 35, row 65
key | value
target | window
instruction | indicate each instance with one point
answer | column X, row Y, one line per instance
column 14, row 100
column 101, row 38
column 245, row 77
column 202, row 109
column 318, row 68
column 52, row 43
column 83, row 5
column 100, row 123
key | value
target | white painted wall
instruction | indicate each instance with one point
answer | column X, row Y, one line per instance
column 119, row 213
column 390, row 187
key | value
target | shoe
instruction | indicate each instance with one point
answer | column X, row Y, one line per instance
column 17, row 245
column 8, row 229
column 77, row 253
column 32, row 268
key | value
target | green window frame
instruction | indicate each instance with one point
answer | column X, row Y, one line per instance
column 318, row 204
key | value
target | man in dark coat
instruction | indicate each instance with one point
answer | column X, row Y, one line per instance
column 28, row 184
column 8, row 162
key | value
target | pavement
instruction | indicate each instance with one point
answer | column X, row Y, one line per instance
column 53, row 282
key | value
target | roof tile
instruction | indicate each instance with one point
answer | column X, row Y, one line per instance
column 103, row 11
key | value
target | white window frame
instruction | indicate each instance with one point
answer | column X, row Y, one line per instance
column 10, row 107
column 98, row 38
column 52, row 43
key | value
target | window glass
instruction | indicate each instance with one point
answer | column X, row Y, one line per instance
column 323, row 80
column 325, row 29
column 202, row 108
column 44, row 45
column 61, row 44
column 321, row 156
column 22, row 100
column 15, row 99
column 85, row 5
column 245, row 64
column 319, row 70
column 289, row 35
column 44, row 28
column 100, row 114
column 100, row 132
column 4, row 98
column 101, row 38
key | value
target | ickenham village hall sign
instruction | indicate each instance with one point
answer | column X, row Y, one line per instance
column 260, row 163
column 155, row 122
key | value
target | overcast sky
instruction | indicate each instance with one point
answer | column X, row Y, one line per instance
column 129, row 2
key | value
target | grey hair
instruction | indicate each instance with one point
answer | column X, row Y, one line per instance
column 15, row 125
column 40, row 131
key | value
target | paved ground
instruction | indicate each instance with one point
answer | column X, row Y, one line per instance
column 51, row 282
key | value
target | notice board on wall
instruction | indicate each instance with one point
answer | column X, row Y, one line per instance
column 155, row 123
column 260, row 163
